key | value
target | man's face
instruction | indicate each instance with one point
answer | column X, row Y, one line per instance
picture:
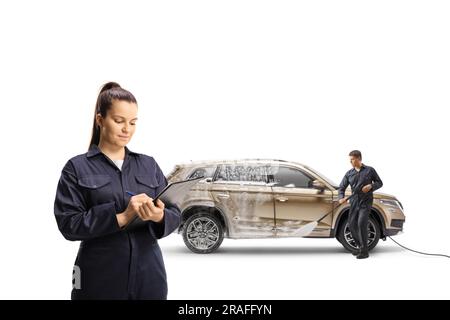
column 355, row 161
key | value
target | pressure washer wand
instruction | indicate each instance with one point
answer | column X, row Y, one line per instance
column 309, row 227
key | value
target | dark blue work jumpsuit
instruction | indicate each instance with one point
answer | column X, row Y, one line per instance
column 113, row 262
column 360, row 203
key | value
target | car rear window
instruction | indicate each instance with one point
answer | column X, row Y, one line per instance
column 241, row 173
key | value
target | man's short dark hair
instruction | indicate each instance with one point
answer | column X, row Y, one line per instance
column 355, row 153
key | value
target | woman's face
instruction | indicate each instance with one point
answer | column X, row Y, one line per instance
column 119, row 125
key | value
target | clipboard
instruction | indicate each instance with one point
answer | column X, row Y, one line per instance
column 173, row 193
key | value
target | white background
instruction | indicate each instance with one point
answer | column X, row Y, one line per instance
column 304, row 81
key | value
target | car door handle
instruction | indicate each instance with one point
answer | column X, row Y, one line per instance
column 223, row 195
column 282, row 199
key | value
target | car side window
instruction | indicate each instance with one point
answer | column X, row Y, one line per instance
column 206, row 172
column 289, row 177
column 241, row 173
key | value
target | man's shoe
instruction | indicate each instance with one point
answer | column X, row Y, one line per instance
column 356, row 252
column 363, row 254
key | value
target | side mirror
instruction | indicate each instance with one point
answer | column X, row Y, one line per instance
column 318, row 185
column 206, row 180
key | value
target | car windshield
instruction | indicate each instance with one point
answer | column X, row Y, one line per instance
column 332, row 182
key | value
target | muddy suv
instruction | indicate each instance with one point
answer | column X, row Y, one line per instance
column 256, row 198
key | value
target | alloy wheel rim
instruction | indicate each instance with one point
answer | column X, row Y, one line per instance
column 202, row 233
column 371, row 234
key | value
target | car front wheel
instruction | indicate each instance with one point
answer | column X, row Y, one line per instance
column 346, row 239
column 202, row 233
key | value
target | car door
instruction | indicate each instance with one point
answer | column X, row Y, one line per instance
column 241, row 191
column 298, row 203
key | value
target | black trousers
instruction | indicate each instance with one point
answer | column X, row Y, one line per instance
column 358, row 223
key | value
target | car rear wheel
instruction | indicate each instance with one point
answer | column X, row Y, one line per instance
column 202, row 233
column 346, row 239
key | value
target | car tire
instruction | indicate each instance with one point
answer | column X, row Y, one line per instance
column 345, row 238
column 202, row 233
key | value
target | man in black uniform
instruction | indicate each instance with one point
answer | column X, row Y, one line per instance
column 363, row 180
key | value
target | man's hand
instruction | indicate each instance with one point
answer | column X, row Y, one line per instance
column 366, row 188
column 341, row 201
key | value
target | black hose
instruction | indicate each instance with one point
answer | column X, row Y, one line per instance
column 428, row 254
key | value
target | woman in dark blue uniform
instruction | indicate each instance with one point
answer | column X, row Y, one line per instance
column 92, row 205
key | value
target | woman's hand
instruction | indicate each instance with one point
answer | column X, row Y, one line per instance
column 151, row 212
column 125, row 217
column 143, row 206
